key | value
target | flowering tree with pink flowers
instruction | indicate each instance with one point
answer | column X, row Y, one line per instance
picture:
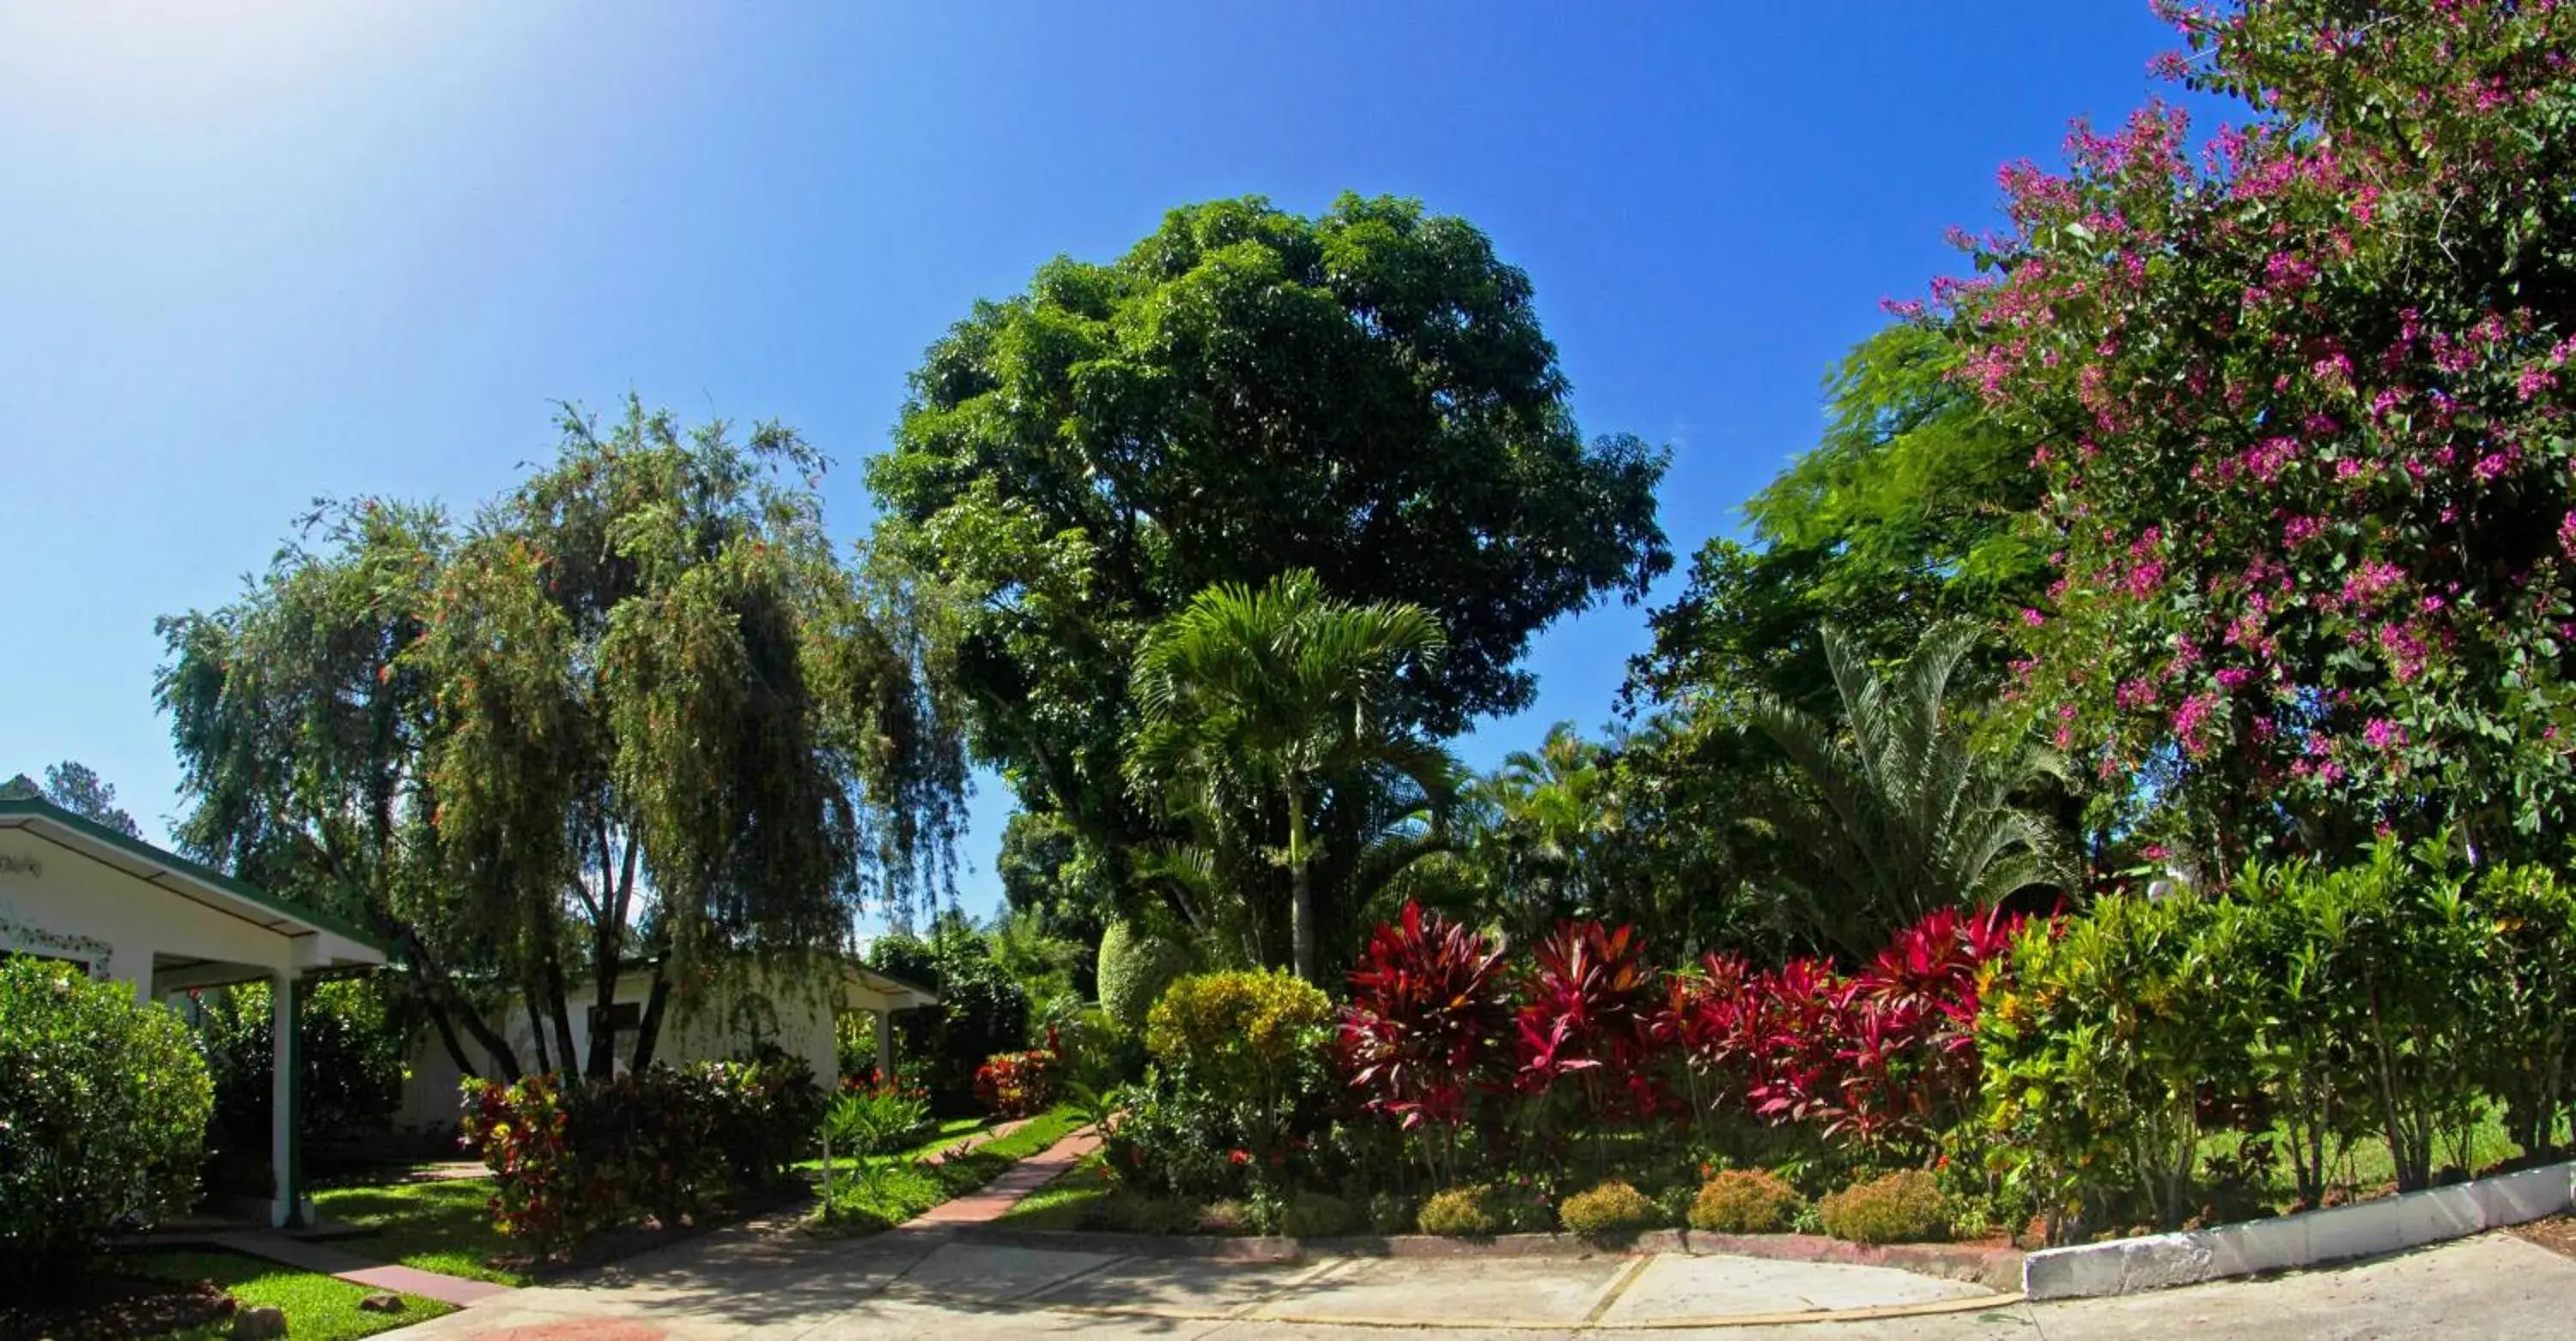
column 2299, row 394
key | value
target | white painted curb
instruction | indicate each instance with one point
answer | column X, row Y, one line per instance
column 2309, row 1238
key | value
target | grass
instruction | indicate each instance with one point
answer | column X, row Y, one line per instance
column 1066, row 1203
column 2365, row 1167
column 902, row 1188
column 444, row 1227
column 318, row 1308
column 949, row 1132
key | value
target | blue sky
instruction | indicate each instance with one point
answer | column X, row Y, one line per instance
column 253, row 252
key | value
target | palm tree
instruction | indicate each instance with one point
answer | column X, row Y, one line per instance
column 1275, row 695
column 1908, row 811
column 1542, row 814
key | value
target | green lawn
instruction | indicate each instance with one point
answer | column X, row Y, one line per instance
column 1065, row 1203
column 2364, row 1167
column 318, row 1308
column 949, row 1132
column 436, row 1226
column 902, row 1187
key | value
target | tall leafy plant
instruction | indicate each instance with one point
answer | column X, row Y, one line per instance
column 1429, row 1015
column 2529, row 994
column 1276, row 695
column 1589, row 1021
column 1906, row 810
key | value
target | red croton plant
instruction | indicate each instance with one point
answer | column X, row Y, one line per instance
column 1591, row 1009
column 1884, row 1057
column 1429, row 1008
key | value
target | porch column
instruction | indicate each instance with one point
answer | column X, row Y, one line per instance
column 285, row 1102
column 885, row 1045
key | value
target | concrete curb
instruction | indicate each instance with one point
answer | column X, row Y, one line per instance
column 2309, row 1238
column 1995, row 1268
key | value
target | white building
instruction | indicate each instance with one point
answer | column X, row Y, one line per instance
column 797, row 1016
column 127, row 911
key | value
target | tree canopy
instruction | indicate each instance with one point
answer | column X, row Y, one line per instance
column 1366, row 395
column 1913, row 508
column 637, row 710
column 76, row 787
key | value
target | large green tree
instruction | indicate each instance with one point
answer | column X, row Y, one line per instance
column 1265, row 702
column 77, row 787
column 301, row 722
column 637, row 709
column 1366, row 394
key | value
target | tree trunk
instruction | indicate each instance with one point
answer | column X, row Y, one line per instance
column 562, row 1013
column 648, row 1031
column 607, row 944
column 1301, row 908
column 537, row 1027
column 447, row 1038
column 446, row 1002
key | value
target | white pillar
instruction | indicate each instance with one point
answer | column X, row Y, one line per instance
column 287, row 1207
column 885, row 1045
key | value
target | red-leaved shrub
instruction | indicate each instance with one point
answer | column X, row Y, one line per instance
column 1017, row 1084
column 1422, row 1036
column 1884, row 1057
column 1592, row 1011
column 1429, row 1008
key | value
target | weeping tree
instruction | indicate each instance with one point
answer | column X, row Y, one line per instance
column 1264, row 710
column 1904, row 808
column 638, row 709
column 301, row 725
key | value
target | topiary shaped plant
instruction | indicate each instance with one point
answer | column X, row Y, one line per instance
column 1745, row 1201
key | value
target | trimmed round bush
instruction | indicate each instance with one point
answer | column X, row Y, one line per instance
column 1745, row 1201
column 1242, row 1031
column 1460, row 1213
column 1902, row 1207
column 106, row 1102
column 1613, row 1210
column 1137, row 965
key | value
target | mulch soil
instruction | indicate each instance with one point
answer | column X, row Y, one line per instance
column 115, row 1309
column 2557, row 1234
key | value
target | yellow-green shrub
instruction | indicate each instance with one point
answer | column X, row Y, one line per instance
column 1242, row 1038
column 1460, row 1213
column 1902, row 1207
column 1613, row 1210
column 1745, row 1201
column 1219, row 1023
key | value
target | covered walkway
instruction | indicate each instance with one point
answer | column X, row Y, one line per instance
column 127, row 911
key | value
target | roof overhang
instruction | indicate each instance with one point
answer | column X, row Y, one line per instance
column 864, row 988
column 321, row 940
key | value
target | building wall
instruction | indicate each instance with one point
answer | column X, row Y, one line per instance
column 798, row 1020
column 64, row 905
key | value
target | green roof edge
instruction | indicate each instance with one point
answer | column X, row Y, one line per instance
column 33, row 807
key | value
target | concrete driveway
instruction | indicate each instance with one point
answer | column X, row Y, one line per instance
column 925, row 1284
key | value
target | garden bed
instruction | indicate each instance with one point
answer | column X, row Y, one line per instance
column 903, row 1187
